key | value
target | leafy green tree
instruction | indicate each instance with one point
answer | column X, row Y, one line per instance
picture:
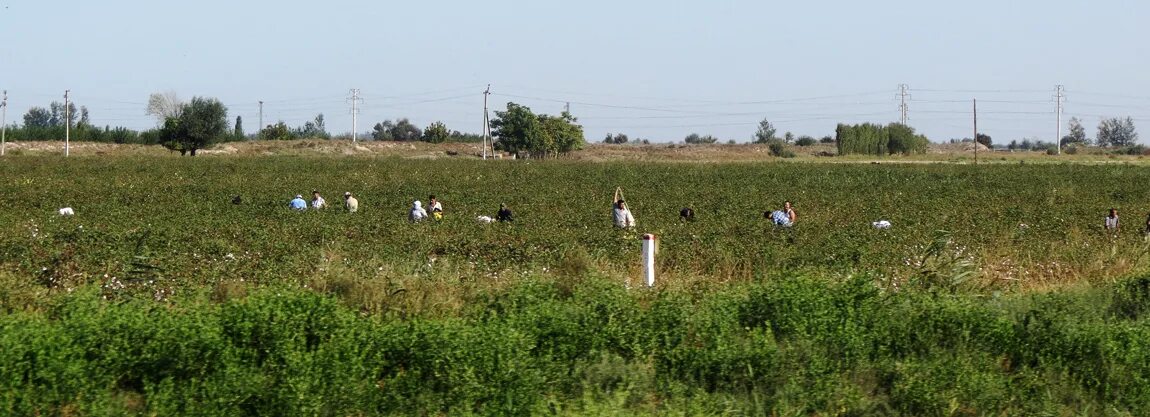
column 516, row 129
column 436, row 133
column 201, row 122
column 382, row 130
column 616, row 139
column 313, row 129
column 520, row 131
column 985, row 140
column 277, row 131
column 1077, row 133
column 805, row 141
column 405, row 131
column 788, row 137
column 37, row 117
column 765, row 132
column 560, row 135
column 872, row 139
column 1117, row 132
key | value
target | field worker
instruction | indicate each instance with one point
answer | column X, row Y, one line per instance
column 687, row 214
column 504, row 214
column 417, row 212
column 297, row 203
column 317, row 202
column 350, row 203
column 436, row 207
column 1112, row 221
column 779, row 218
column 623, row 217
column 1148, row 223
column 620, row 212
column 789, row 211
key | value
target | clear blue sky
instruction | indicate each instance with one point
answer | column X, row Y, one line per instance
column 651, row 69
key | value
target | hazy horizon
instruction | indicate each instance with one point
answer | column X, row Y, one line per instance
column 648, row 69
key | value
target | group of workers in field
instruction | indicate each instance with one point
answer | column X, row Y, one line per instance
column 621, row 214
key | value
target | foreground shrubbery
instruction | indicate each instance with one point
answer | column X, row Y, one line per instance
column 589, row 346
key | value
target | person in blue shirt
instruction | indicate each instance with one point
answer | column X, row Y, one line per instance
column 784, row 217
column 298, row 203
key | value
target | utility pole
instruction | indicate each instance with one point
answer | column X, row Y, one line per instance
column 1058, row 97
column 67, row 123
column 975, row 102
column 3, row 122
column 260, row 134
column 567, row 107
column 903, row 92
column 486, row 124
column 354, row 111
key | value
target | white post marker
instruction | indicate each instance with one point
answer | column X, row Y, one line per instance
column 649, row 259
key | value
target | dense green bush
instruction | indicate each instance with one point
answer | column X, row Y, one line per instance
column 783, row 346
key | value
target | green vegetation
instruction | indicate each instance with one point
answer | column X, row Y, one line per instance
column 519, row 131
column 995, row 292
column 872, row 139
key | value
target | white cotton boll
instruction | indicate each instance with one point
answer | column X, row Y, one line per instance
column 881, row 224
column 67, row 211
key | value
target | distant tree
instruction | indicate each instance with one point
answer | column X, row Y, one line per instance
column 436, row 133
column 519, row 130
column 84, row 121
column 827, row 139
column 457, row 136
column 788, row 137
column 696, row 139
column 805, row 141
column 560, row 135
column 239, row 132
column 60, row 112
column 313, row 129
column 1117, row 132
column 516, row 128
column 1077, row 133
column 164, row 105
column 765, row 132
column 38, row 117
column 616, row 139
column 277, row 131
column 201, row 122
column 382, row 130
column 731, row 142
column 985, row 140
column 404, row 131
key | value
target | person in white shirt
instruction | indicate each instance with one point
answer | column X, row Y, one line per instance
column 317, row 202
column 1112, row 221
column 350, row 203
column 417, row 212
column 621, row 214
column 435, row 207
